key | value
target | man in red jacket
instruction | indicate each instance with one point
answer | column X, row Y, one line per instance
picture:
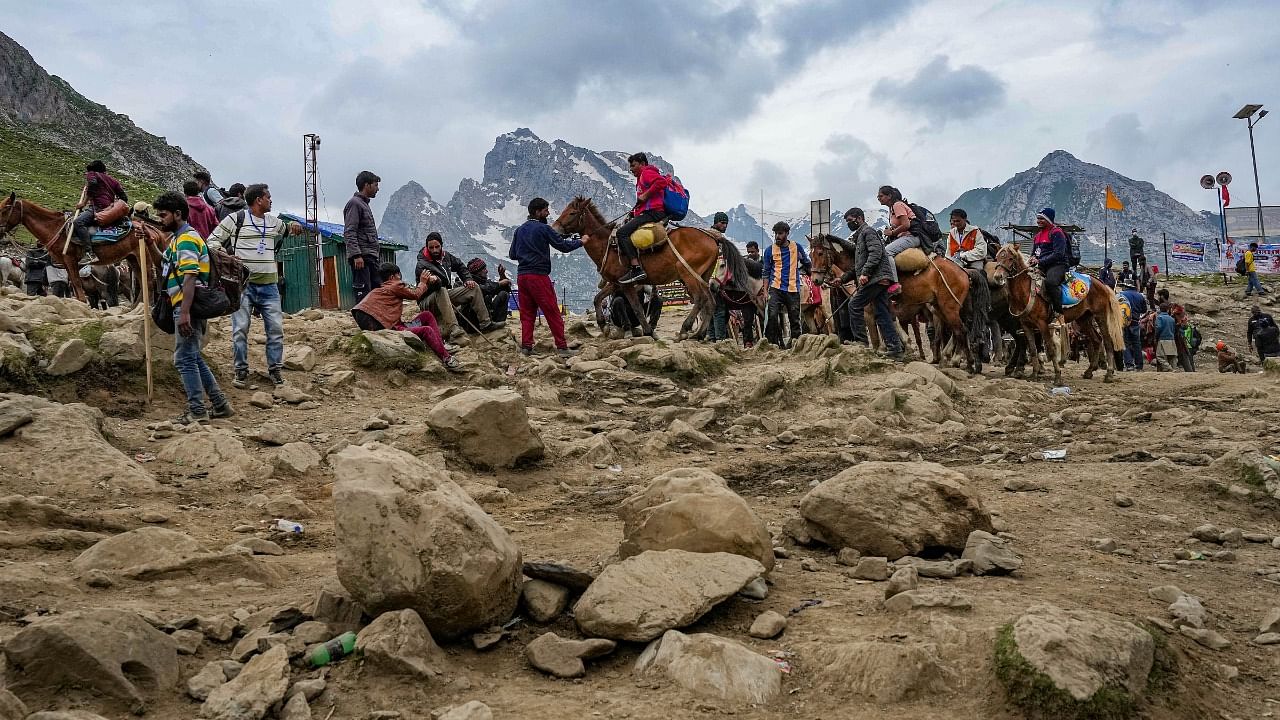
column 650, row 184
column 202, row 217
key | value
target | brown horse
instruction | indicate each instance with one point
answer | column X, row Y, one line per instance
column 689, row 255
column 941, row 286
column 50, row 226
column 1032, row 311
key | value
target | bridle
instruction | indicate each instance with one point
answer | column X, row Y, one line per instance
column 8, row 223
column 1010, row 275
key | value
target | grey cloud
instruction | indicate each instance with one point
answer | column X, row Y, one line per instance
column 768, row 176
column 941, row 93
column 851, row 172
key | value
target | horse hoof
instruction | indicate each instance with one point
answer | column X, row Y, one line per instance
column 1109, row 377
column 1088, row 374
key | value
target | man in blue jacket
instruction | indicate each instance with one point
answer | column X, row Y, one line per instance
column 1166, row 346
column 1132, row 330
column 1049, row 253
column 531, row 249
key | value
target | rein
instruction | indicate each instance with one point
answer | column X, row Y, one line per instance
column 1031, row 291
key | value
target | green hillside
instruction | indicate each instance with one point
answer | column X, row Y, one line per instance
column 51, row 175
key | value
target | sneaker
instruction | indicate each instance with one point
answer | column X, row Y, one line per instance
column 190, row 418
column 276, row 377
column 895, row 289
column 456, row 333
column 453, row 365
column 452, row 349
column 526, row 351
column 566, row 352
column 634, row 275
column 89, row 256
column 222, row 411
column 493, row 325
column 242, row 379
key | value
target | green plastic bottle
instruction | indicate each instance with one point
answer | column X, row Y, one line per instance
column 334, row 650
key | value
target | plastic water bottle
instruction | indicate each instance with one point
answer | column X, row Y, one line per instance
column 287, row 526
column 334, row 650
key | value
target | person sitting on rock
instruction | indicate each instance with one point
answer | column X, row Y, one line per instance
column 1228, row 361
column 1263, row 334
column 383, row 308
column 446, row 297
column 497, row 293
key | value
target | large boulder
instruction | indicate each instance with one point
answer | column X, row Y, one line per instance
column 137, row 547
column 409, row 537
column 892, row 509
column 692, row 509
column 1074, row 663
column 1251, row 468
column 712, row 666
column 490, row 427
column 113, row 653
column 642, row 597
column 62, row 432
column 251, row 694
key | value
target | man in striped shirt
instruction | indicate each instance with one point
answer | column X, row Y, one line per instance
column 254, row 236
column 784, row 262
column 186, row 267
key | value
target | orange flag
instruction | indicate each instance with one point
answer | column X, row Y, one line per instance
column 1113, row 202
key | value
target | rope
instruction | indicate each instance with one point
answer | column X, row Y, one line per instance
column 934, row 261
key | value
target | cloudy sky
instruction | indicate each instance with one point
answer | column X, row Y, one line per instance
column 827, row 98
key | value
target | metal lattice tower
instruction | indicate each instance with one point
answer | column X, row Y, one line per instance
column 311, row 199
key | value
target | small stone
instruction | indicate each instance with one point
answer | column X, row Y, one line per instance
column 488, row 639
column 781, row 552
column 98, row 579
column 309, row 689
column 376, row 424
column 1257, row 537
column 262, row 400
column 1023, row 484
column 1275, row 542
column 188, row 641
column 1207, row 638
column 259, row 546
column 1188, row 611
column 1122, row 500
column 543, row 600
column 767, row 625
column 810, row 565
column 474, row 710
column 1207, row 533
column 1225, row 556
column 204, row 682
column 991, row 555
column 1182, row 554
column 153, row 517
column 927, row 598
column 1227, row 673
column 563, row 658
column 245, row 528
column 1104, row 545
column 1270, row 621
column 902, row 580
column 295, row 708
column 757, row 589
column 1234, row 536
column 313, row 632
column 1267, row 639
column 786, row 437
column 848, row 556
column 1165, row 593
column 1163, row 624
column 218, row 628
column 871, row 568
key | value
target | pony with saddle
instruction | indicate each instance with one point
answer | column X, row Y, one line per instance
column 50, row 228
column 740, row 286
column 1085, row 301
column 684, row 254
column 928, row 281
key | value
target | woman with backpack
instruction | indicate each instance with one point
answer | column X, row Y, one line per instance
column 898, row 235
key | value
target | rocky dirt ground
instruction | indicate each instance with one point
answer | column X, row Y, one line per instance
column 138, row 567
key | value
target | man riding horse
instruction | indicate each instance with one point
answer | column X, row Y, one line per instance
column 101, row 192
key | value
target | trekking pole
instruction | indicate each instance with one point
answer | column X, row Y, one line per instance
column 144, row 273
column 466, row 320
column 71, row 224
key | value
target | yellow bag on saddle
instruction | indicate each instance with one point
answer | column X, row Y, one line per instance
column 649, row 236
column 911, row 260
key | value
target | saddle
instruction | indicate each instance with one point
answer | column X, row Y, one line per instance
column 112, row 223
column 649, row 237
column 1074, row 288
column 911, row 261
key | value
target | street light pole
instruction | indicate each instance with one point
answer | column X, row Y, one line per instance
column 1262, row 228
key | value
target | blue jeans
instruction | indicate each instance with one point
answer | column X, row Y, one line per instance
column 1254, row 284
column 267, row 299
column 1133, row 346
column 877, row 296
column 197, row 378
column 897, row 245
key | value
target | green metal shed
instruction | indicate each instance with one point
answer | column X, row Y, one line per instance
column 302, row 286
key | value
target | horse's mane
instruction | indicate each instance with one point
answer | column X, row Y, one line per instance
column 591, row 206
column 737, row 266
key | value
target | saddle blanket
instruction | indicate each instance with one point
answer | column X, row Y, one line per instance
column 1075, row 287
column 106, row 236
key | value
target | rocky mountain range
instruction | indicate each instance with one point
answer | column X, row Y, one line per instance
column 480, row 217
column 48, row 131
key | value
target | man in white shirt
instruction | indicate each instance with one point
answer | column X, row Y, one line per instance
column 254, row 236
column 965, row 243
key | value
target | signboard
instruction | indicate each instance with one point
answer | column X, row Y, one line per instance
column 819, row 217
column 673, row 294
column 1266, row 258
column 1188, row 251
column 1242, row 222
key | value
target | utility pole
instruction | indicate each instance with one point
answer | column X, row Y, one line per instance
column 311, row 202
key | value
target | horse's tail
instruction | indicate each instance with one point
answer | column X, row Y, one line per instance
column 977, row 306
column 1114, row 319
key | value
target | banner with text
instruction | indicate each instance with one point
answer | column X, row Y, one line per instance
column 1187, row 251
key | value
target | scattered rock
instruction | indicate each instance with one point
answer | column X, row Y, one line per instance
column 1187, row 611
column 399, row 643
column 894, row 509
column 903, row 579
column 275, row 433
column 883, row 672
column 187, row 641
column 1270, row 621
column 943, row 569
column 712, row 666
column 1122, row 500
column 259, row 546
column 299, row 357
column 296, row 707
column 71, row 357
column 693, row 509
column 927, row 598
column 871, row 568
column 1073, row 663
column 490, row 427
column 767, row 625
column 210, row 677
column 11, row 708
column 1206, row 637
column 218, row 628
column 643, row 596
column 295, row 459
column 1023, row 484
column 544, row 601
column 92, row 650
column 559, row 574
column 337, row 609
column 563, row 658
column 1267, row 639
column 309, row 689
column 409, row 537
column 848, row 556
column 262, row 400
column 287, row 506
column 1104, row 545
column 1165, row 593
column 990, row 555
column 474, row 710
column 137, row 547
column 757, row 589
column 260, row 685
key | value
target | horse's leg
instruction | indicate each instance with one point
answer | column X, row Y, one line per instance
column 1094, row 344
column 71, row 261
column 135, row 270
column 1033, row 348
column 633, row 301
column 598, row 304
column 950, row 315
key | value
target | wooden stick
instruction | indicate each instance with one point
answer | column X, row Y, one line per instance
column 71, row 224
column 145, row 270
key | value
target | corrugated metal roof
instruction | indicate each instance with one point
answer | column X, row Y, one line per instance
column 334, row 230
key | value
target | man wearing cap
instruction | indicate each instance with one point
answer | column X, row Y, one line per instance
column 784, row 262
column 1049, row 253
column 1263, row 334
column 719, row 311
column 1128, row 295
column 497, row 293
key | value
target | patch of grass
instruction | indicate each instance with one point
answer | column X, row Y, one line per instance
column 19, row 372
column 1164, row 667
column 1036, row 694
column 91, row 333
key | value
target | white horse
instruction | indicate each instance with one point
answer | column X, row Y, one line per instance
column 10, row 272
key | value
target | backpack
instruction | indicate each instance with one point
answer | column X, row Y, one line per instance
column 1126, row 310
column 993, row 244
column 1240, row 265
column 925, row 226
column 1073, row 249
column 675, row 199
